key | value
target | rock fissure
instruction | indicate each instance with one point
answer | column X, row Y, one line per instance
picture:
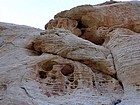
column 26, row 92
column 75, row 55
column 115, row 76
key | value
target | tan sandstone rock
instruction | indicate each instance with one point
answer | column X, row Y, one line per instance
column 88, row 55
column 64, row 23
column 90, row 18
column 97, row 23
column 124, row 45
column 66, row 44
column 29, row 76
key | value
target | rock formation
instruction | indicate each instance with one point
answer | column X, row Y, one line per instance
column 88, row 19
column 88, row 55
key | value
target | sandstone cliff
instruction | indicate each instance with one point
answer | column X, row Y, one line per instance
column 88, row 55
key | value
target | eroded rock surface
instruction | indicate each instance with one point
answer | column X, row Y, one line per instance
column 66, row 44
column 90, row 18
column 30, row 75
column 57, row 67
column 124, row 45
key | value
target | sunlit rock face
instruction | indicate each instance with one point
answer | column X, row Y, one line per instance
column 89, row 72
column 87, row 19
column 124, row 45
column 34, row 70
column 88, row 55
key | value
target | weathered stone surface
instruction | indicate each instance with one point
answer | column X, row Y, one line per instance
column 57, row 67
column 90, row 18
column 124, row 45
column 65, row 23
column 66, row 44
column 96, row 23
column 29, row 76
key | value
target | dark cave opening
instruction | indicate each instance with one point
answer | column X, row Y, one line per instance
column 81, row 27
column 89, row 35
column 80, row 24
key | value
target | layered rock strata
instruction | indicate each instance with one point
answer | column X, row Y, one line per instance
column 124, row 45
column 88, row 19
column 40, row 74
column 57, row 67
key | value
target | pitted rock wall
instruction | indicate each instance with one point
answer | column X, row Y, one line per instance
column 59, row 67
column 31, row 75
column 90, row 18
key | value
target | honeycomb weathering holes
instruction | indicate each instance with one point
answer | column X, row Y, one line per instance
column 42, row 74
column 48, row 66
column 49, row 72
column 67, row 69
column 71, row 77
